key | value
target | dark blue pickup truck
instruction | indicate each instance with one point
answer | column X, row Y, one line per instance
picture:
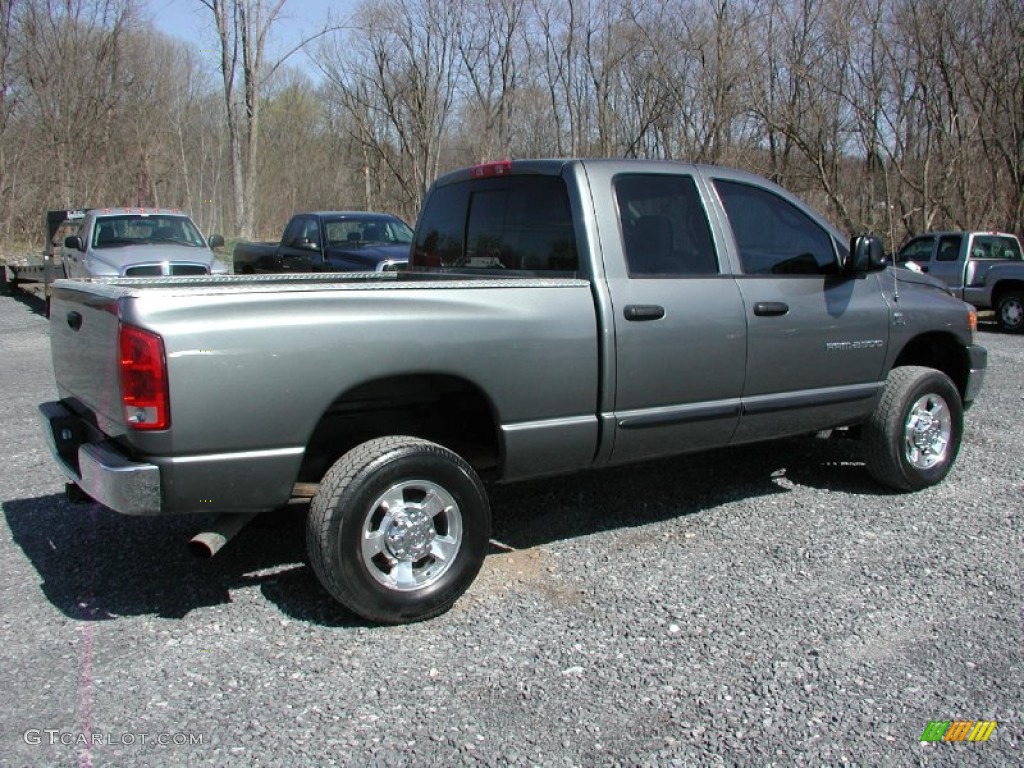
column 331, row 241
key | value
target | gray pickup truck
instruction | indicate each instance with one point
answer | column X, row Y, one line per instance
column 985, row 269
column 556, row 316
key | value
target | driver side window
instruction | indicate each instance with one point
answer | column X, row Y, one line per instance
column 293, row 232
column 918, row 250
column 775, row 237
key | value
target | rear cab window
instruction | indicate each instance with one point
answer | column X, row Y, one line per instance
column 995, row 247
column 498, row 225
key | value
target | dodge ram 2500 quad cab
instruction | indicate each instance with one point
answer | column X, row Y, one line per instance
column 137, row 242
column 557, row 316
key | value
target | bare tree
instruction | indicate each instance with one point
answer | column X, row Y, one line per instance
column 242, row 30
column 565, row 29
column 491, row 47
column 74, row 88
column 986, row 61
column 8, row 103
column 397, row 81
column 894, row 115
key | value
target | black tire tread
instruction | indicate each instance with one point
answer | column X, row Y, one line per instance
column 999, row 312
column 338, row 479
column 882, row 435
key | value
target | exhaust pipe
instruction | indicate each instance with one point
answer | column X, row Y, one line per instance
column 208, row 543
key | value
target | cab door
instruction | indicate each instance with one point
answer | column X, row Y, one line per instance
column 72, row 259
column 919, row 252
column 680, row 335
column 816, row 338
column 300, row 249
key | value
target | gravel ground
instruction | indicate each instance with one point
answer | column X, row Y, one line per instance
column 761, row 606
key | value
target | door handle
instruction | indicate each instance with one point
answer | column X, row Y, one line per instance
column 642, row 312
column 770, row 308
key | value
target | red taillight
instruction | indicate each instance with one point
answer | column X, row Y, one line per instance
column 143, row 366
column 486, row 170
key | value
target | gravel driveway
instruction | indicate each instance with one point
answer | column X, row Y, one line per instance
column 761, row 606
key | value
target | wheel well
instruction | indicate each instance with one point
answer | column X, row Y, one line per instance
column 1004, row 287
column 443, row 409
column 940, row 351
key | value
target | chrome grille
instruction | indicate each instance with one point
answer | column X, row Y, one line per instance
column 188, row 269
column 157, row 270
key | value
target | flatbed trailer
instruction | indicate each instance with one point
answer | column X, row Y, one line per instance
column 58, row 225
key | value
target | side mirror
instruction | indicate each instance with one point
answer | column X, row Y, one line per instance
column 216, row 241
column 74, row 242
column 304, row 244
column 867, row 254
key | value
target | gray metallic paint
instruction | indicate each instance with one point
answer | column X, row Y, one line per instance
column 233, row 353
column 255, row 361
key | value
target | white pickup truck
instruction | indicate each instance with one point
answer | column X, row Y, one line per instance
column 985, row 269
column 140, row 242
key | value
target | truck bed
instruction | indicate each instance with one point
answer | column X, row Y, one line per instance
column 281, row 346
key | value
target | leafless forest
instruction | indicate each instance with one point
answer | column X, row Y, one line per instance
column 890, row 115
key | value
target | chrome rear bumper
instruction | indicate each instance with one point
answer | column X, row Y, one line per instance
column 100, row 468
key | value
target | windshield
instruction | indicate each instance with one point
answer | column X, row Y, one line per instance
column 144, row 229
column 360, row 231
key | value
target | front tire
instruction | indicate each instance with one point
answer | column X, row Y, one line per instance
column 913, row 437
column 398, row 529
column 1010, row 312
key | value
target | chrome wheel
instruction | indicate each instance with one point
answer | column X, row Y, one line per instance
column 411, row 535
column 398, row 529
column 928, row 431
column 1010, row 312
column 913, row 436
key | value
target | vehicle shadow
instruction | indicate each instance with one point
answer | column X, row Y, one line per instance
column 31, row 300
column 97, row 565
column 531, row 514
column 989, row 325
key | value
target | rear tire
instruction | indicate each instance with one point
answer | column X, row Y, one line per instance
column 1010, row 312
column 398, row 529
column 913, row 437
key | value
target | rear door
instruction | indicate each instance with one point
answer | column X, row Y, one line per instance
column 680, row 336
column 816, row 339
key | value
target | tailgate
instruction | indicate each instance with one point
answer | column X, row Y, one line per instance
column 84, row 345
